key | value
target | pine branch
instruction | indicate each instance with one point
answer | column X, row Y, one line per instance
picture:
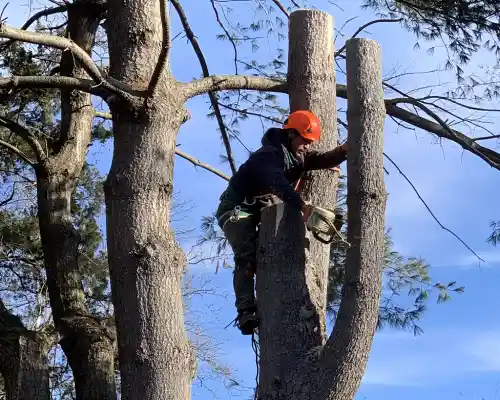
column 206, row 74
column 18, row 152
column 198, row 163
column 27, row 136
column 439, row 129
column 9, row 199
column 65, row 45
column 44, row 13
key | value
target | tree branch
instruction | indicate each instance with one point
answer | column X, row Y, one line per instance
column 9, row 199
column 428, row 208
column 64, row 44
column 27, row 136
column 361, row 28
column 439, row 129
column 35, row 17
column 198, row 163
column 282, row 8
column 53, row 82
column 232, row 82
column 206, row 74
column 18, row 152
column 163, row 58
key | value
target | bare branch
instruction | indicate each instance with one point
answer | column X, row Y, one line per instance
column 206, row 74
column 27, row 136
column 66, row 45
column 282, row 8
column 361, row 28
column 198, row 163
column 486, row 138
column 162, row 63
column 53, row 82
column 232, row 82
column 16, row 151
column 35, row 17
column 228, row 36
column 9, row 199
column 428, row 208
column 255, row 114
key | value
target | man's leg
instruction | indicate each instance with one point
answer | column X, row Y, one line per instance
column 242, row 236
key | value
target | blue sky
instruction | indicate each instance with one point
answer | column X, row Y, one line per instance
column 458, row 356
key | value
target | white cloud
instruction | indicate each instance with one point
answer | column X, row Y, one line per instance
column 432, row 359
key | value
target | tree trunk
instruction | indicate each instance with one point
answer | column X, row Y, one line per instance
column 23, row 359
column 294, row 366
column 311, row 86
column 145, row 261
column 87, row 344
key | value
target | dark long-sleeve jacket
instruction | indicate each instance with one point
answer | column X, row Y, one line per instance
column 272, row 169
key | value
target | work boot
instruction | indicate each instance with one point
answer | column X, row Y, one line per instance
column 247, row 321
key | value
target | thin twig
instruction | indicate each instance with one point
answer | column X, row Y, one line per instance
column 35, row 17
column 213, row 97
column 255, row 114
column 486, row 138
column 198, row 163
column 16, row 151
column 163, row 57
column 360, row 29
column 428, row 208
column 282, row 8
column 27, row 136
column 8, row 200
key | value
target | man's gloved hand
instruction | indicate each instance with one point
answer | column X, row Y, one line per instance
column 306, row 211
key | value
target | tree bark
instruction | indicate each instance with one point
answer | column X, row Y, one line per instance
column 292, row 367
column 311, row 86
column 23, row 359
column 87, row 344
column 145, row 261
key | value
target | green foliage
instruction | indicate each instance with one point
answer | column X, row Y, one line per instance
column 494, row 238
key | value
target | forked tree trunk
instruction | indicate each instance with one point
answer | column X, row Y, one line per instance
column 87, row 345
column 23, row 359
column 293, row 366
column 145, row 261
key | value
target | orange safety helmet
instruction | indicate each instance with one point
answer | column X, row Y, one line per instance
column 305, row 122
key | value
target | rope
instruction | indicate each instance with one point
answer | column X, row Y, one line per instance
column 255, row 348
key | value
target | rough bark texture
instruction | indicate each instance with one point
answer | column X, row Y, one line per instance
column 311, row 85
column 23, row 360
column 346, row 353
column 87, row 344
column 145, row 261
column 287, row 327
column 292, row 367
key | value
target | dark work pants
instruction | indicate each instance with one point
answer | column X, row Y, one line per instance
column 242, row 237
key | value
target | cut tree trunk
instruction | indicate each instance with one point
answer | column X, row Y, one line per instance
column 23, row 359
column 291, row 366
column 145, row 261
column 88, row 345
column 311, row 86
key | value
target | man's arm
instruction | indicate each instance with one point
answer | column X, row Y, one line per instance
column 268, row 170
column 329, row 159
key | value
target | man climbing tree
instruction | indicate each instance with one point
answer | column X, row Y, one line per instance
column 272, row 172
